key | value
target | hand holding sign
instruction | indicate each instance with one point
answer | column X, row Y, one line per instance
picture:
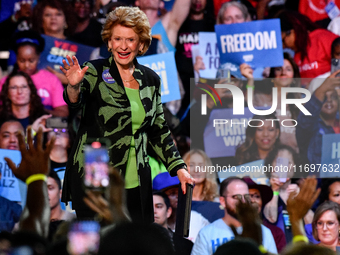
column 199, row 64
column 257, row 43
column 246, row 71
column 73, row 71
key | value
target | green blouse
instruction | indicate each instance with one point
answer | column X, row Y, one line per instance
column 137, row 116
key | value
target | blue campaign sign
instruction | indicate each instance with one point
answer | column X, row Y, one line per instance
column 222, row 135
column 165, row 66
column 330, row 156
column 168, row 4
column 57, row 49
column 209, row 52
column 257, row 43
column 9, row 184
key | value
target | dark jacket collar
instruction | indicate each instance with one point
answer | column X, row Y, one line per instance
column 115, row 73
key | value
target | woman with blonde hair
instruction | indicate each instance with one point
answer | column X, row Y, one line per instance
column 121, row 102
column 205, row 181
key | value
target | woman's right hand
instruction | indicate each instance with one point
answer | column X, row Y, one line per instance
column 246, row 71
column 73, row 71
column 275, row 183
column 199, row 64
column 41, row 122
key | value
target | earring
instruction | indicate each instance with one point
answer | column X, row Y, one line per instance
column 109, row 50
column 66, row 26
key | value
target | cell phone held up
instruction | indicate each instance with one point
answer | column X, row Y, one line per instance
column 283, row 166
column 83, row 238
column 335, row 66
column 96, row 164
column 56, row 122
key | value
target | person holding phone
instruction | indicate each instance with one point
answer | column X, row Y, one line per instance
column 335, row 66
column 275, row 211
column 121, row 101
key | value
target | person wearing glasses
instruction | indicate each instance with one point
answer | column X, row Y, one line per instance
column 28, row 46
column 283, row 184
column 19, row 100
column 233, row 190
column 325, row 224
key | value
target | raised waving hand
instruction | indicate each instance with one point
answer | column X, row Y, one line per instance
column 73, row 71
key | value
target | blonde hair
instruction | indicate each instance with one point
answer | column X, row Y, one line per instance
column 131, row 17
column 209, row 185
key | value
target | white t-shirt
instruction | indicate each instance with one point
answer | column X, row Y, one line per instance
column 197, row 222
column 218, row 233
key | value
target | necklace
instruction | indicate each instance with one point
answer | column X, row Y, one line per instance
column 127, row 80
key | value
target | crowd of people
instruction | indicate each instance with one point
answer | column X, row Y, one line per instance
column 156, row 150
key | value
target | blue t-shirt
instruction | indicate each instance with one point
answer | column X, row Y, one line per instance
column 9, row 214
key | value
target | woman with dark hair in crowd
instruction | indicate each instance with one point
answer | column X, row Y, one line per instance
column 330, row 190
column 335, row 53
column 312, row 45
column 284, row 76
column 28, row 45
column 326, row 225
column 260, row 140
column 54, row 18
column 282, row 183
column 19, row 100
